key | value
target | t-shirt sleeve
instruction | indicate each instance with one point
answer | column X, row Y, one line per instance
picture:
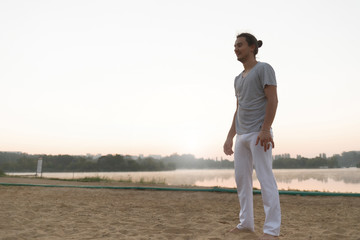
column 268, row 77
column 235, row 86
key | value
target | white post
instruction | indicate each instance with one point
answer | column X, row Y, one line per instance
column 39, row 167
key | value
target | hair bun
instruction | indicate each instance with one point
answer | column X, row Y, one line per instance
column 259, row 43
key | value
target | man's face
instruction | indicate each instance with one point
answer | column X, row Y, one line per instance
column 242, row 49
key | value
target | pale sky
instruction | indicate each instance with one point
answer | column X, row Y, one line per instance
column 156, row 76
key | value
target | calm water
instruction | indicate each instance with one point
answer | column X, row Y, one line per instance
column 344, row 180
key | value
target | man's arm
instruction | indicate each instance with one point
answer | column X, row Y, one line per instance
column 265, row 137
column 232, row 132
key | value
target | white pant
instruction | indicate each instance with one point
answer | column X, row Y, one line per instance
column 246, row 154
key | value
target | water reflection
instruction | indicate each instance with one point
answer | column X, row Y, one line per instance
column 331, row 180
column 347, row 175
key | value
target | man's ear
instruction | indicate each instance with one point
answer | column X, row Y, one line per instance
column 252, row 47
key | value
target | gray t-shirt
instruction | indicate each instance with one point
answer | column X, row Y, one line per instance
column 251, row 98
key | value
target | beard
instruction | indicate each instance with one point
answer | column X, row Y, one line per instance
column 241, row 59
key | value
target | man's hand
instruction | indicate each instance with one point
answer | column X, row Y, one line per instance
column 265, row 140
column 228, row 147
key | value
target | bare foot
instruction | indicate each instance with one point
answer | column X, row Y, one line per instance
column 268, row 237
column 238, row 230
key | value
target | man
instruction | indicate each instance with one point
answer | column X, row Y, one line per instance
column 256, row 106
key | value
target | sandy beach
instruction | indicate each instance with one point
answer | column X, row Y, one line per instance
column 83, row 213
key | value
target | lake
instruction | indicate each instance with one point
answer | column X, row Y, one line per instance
column 345, row 180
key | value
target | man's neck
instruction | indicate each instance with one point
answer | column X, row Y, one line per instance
column 249, row 64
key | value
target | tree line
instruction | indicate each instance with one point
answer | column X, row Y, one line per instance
column 345, row 160
column 305, row 163
column 22, row 162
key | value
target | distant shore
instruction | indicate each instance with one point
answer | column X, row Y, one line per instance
column 22, row 162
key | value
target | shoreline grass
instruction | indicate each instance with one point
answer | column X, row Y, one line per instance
column 160, row 181
column 98, row 179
